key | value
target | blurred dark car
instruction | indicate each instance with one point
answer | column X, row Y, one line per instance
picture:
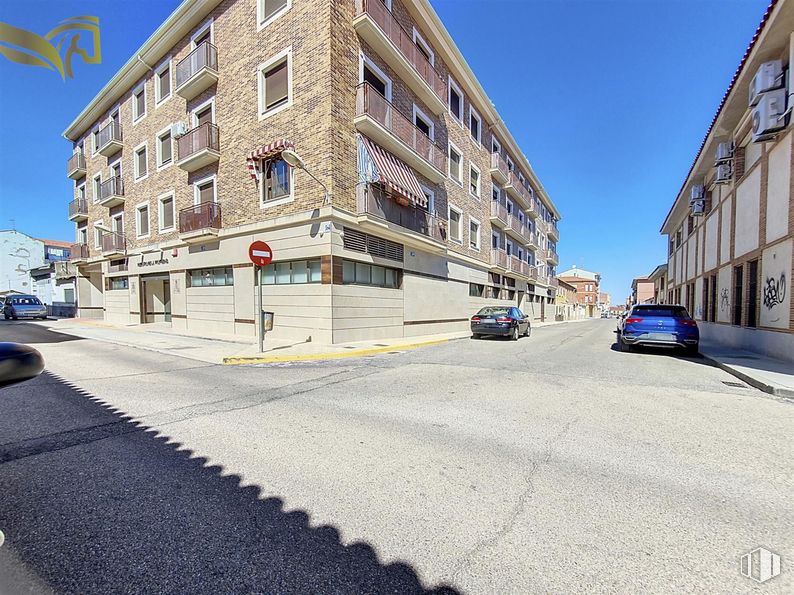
column 23, row 306
column 18, row 363
column 505, row 321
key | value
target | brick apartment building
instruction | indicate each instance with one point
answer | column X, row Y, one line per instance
column 587, row 284
column 431, row 208
column 659, row 279
column 642, row 291
column 731, row 227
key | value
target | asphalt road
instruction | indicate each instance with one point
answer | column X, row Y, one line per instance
column 554, row 464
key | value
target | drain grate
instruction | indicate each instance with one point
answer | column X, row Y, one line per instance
column 735, row 384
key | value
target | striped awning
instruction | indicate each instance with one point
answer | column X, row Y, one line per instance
column 395, row 174
column 265, row 152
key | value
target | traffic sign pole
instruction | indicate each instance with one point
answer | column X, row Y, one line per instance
column 261, row 255
column 258, row 273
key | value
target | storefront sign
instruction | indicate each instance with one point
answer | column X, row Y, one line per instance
column 152, row 263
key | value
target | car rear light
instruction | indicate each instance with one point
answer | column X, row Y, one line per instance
column 688, row 322
column 633, row 320
column 504, row 319
column 475, row 319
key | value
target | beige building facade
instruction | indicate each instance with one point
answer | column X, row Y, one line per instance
column 731, row 228
column 415, row 208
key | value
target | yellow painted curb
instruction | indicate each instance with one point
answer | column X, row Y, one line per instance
column 236, row 361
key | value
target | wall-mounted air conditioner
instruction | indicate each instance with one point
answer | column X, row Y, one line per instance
column 769, row 76
column 698, row 207
column 178, row 129
column 697, row 193
column 724, row 173
column 768, row 115
column 724, row 151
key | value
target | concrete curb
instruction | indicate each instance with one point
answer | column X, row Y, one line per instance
column 754, row 382
column 237, row 361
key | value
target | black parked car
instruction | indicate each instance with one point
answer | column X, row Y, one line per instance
column 500, row 320
column 24, row 306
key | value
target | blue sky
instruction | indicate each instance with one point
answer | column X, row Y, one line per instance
column 608, row 99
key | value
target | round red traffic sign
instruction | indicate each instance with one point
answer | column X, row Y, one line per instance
column 260, row 253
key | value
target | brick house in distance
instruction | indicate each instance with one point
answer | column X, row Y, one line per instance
column 587, row 285
column 415, row 207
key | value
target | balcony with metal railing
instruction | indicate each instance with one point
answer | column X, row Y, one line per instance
column 78, row 210
column 374, row 203
column 499, row 214
column 380, row 121
column 113, row 243
column 78, row 252
column 518, row 266
column 499, row 169
column 518, row 191
column 552, row 231
column 518, row 228
column 499, row 259
column 552, row 257
column 75, row 167
column 200, row 222
column 197, row 71
column 111, row 192
column 376, row 25
column 199, row 147
column 532, row 272
column 109, row 139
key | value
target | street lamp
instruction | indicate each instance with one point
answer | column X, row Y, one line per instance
column 296, row 161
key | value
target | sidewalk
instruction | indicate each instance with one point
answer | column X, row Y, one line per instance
column 233, row 350
column 772, row 376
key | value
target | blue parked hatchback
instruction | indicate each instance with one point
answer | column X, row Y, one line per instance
column 658, row 325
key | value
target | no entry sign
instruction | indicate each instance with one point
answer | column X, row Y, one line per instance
column 260, row 253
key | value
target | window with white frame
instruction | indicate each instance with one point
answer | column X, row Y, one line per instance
column 474, row 233
column 276, row 181
column 431, row 199
column 475, row 125
column 423, row 47
column 474, row 180
column 165, row 149
column 509, row 163
column 455, row 101
column 142, row 220
column 496, row 192
column 82, row 235
column 139, row 162
column 369, row 72
column 115, row 168
column 496, row 240
column 202, row 34
column 165, row 211
column 96, row 183
column 139, row 103
column 81, row 192
column 162, row 82
column 455, row 224
column 496, row 147
column 268, row 11
column 275, row 84
column 423, row 123
column 455, row 164
column 94, row 136
column 204, row 191
column 98, row 234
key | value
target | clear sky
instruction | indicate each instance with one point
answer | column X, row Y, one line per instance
column 608, row 99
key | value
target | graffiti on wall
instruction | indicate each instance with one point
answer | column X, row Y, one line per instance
column 724, row 299
column 774, row 291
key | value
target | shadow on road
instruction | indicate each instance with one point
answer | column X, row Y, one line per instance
column 112, row 506
column 669, row 351
column 19, row 331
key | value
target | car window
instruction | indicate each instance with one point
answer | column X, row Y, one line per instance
column 492, row 311
column 674, row 311
column 26, row 301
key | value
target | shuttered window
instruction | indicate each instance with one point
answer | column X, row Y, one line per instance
column 373, row 245
column 276, row 85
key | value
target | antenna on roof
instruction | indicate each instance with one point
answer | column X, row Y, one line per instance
column 13, row 224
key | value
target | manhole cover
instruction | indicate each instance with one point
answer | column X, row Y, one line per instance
column 736, row 384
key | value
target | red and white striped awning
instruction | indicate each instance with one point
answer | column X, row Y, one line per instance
column 395, row 174
column 265, row 152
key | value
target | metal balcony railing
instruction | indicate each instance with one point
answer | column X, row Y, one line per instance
column 518, row 266
column 532, row 273
column 75, row 163
column 499, row 211
column 78, row 252
column 499, row 258
column 206, row 215
column 205, row 55
column 112, row 187
column 371, row 103
column 113, row 242
column 79, row 206
column 375, row 202
column 108, row 134
column 518, row 227
column 403, row 40
column 205, row 136
column 497, row 163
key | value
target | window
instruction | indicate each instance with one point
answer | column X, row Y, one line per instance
column 423, row 47
column 752, row 293
column 98, row 234
column 297, row 271
column 474, row 234
column 370, row 73
column 165, row 149
column 455, row 221
column 162, row 83
column 204, row 33
column 217, row 277
column 359, row 241
column 713, row 298
column 115, row 168
column 455, row 101
column 496, row 192
column 738, row 294
column 423, row 123
column 204, row 113
column 431, row 199
column 82, row 235
column 475, row 125
column 114, row 283
column 139, row 162
column 166, row 212
column 276, row 181
column 268, row 11
column 495, row 146
column 678, row 238
column 142, row 220
column 496, row 240
column 139, row 103
column 455, row 164
column 476, row 290
column 96, row 183
column 474, row 180
column 204, row 191
column 81, row 192
column 360, row 273
column 690, row 225
column 118, row 223
column 94, row 140
column 275, row 84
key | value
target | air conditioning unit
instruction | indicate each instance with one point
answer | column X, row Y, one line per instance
column 768, row 115
column 724, row 151
column 697, row 193
column 698, row 207
column 178, row 129
column 724, row 173
column 769, row 76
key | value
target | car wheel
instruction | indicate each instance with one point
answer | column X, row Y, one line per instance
column 624, row 347
column 475, row 336
column 526, row 333
column 15, row 317
column 514, row 333
column 6, row 316
column 691, row 350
